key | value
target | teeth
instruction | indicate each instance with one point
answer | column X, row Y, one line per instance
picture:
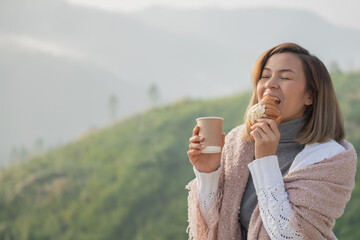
column 276, row 99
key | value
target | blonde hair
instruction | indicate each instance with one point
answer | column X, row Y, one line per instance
column 322, row 119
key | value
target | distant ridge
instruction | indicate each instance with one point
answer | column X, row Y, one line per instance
column 127, row 181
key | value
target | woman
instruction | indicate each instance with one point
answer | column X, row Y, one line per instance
column 289, row 181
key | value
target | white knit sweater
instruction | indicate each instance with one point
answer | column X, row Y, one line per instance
column 273, row 201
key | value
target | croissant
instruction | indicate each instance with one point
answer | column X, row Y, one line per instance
column 266, row 108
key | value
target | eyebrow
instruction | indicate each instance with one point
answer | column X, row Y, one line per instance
column 281, row 70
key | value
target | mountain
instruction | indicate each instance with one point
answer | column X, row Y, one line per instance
column 59, row 59
column 126, row 181
column 56, row 98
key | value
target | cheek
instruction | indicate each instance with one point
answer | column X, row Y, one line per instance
column 259, row 89
column 294, row 103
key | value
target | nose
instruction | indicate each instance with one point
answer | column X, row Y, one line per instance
column 272, row 82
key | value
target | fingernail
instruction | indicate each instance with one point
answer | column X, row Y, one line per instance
column 203, row 146
column 201, row 138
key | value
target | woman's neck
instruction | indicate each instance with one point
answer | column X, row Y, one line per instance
column 290, row 130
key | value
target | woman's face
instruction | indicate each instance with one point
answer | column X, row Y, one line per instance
column 283, row 78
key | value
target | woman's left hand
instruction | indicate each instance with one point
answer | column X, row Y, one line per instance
column 266, row 135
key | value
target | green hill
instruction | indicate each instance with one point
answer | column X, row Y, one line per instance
column 126, row 181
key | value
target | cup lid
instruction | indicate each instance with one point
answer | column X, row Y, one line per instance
column 209, row 118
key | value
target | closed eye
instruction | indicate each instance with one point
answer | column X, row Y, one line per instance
column 284, row 78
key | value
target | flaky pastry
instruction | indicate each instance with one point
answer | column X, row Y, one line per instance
column 266, row 108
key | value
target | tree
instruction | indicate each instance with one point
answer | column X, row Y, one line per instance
column 14, row 154
column 113, row 106
column 153, row 94
column 19, row 154
column 39, row 146
column 24, row 153
column 334, row 68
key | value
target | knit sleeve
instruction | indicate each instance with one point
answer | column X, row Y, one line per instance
column 207, row 185
column 273, row 200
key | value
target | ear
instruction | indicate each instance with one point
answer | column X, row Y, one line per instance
column 308, row 99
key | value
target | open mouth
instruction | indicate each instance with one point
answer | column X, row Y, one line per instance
column 278, row 101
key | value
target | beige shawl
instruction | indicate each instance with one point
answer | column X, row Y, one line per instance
column 317, row 193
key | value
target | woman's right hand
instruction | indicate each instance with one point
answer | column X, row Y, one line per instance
column 202, row 162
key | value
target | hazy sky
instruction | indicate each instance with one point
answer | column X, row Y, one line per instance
column 343, row 13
